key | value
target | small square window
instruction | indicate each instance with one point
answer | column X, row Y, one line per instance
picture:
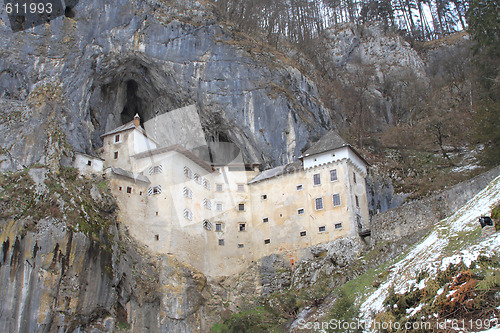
column 219, row 207
column 156, row 190
column 156, row 213
column 357, row 201
column 336, row 199
column 300, row 211
column 265, row 219
column 129, row 189
column 322, row 229
column 157, row 237
column 116, row 155
column 219, row 188
column 242, row 226
column 89, row 163
column 140, row 193
column 303, row 234
column 120, row 188
column 299, row 187
column 221, row 242
column 319, row 203
column 117, row 138
column 241, row 188
column 338, row 225
column 241, row 246
column 267, row 241
column 333, row 175
column 218, row 227
column 241, row 207
column 317, row 179
column 264, row 196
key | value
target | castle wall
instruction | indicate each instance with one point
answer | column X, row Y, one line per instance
column 218, row 223
column 419, row 215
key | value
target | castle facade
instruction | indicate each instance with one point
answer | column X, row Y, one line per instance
column 221, row 217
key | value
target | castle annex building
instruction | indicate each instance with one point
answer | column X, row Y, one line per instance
column 221, row 217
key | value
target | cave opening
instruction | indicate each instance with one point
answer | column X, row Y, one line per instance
column 69, row 12
column 133, row 105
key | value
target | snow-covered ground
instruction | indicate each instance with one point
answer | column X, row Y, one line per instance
column 433, row 253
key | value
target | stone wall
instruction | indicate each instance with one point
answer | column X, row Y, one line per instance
column 421, row 214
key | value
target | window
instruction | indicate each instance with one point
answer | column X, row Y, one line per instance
column 265, row 219
column 89, row 163
column 354, row 177
column 242, row 226
column 319, row 203
column 140, row 193
column 264, row 196
column 336, row 199
column 206, row 184
column 156, row 213
column 299, row 187
column 157, row 237
column 129, row 189
column 154, row 170
column 207, row 204
column 218, row 188
column 207, row 225
column 197, row 178
column 154, row 190
column 120, row 188
column 300, row 211
column 317, row 179
column 218, row 227
column 219, row 207
column 358, row 222
column 221, row 242
column 338, row 225
column 188, row 215
column 187, row 192
column 333, row 175
column 188, row 173
column 117, row 138
column 357, row 201
column 303, row 234
column 267, row 241
column 241, row 207
column 322, row 229
column 241, row 188
column 241, row 246
column 116, row 155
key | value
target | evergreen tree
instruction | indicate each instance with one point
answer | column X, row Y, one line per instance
column 484, row 26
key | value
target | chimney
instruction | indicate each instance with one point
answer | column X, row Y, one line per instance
column 137, row 120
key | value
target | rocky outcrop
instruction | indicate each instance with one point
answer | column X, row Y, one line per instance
column 92, row 70
column 385, row 72
column 64, row 269
column 380, row 193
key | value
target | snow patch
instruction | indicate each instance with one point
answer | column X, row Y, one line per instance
column 428, row 256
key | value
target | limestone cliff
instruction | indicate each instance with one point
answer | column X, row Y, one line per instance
column 66, row 264
column 91, row 71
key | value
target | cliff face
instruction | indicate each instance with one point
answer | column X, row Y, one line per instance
column 66, row 264
column 94, row 71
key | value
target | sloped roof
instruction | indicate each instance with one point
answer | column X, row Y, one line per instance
column 179, row 149
column 127, row 126
column 124, row 127
column 88, row 155
column 277, row 171
column 131, row 175
column 329, row 141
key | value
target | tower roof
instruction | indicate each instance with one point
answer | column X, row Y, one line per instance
column 330, row 141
